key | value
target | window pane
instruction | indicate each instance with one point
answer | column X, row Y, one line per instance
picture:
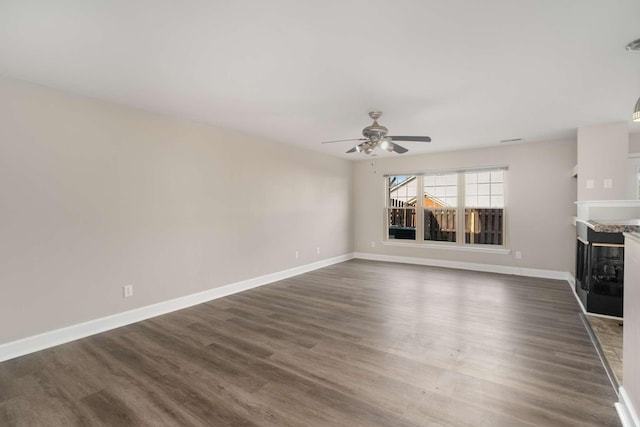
column 489, row 188
column 484, row 189
column 402, row 224
column 441, row 180
column 484, row 177
column 440, row 225
column 484, row 226
column 484, row 201
column 451, row 202
column 411, row 189
column 440, row 190
column 402, row 191
column 452, row 191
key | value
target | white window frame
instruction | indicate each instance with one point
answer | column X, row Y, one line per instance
column 460, row 243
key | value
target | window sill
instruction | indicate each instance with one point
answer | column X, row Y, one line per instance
column 449, row 247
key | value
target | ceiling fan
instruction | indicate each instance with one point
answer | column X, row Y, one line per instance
column 376, row 136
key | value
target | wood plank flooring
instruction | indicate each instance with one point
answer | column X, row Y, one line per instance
column 359, row 343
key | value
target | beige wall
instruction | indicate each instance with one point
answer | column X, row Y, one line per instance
column 95, row 196
column 540, row 197
column 634, row 143
column 602, row 154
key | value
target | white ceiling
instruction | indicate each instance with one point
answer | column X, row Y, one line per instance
column 467, row 73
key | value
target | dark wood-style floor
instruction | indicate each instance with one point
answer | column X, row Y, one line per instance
column 356, row 344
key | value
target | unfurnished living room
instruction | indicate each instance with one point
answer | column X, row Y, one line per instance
column 409, row 213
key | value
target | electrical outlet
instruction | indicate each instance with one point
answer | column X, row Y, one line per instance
column 318, row 250
column 373, row 244
column 590, row 184
column 518, row 255
column 297, row 254
column 127, row 291
column 608, row 183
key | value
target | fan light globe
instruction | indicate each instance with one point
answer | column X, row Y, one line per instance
column 386, row 144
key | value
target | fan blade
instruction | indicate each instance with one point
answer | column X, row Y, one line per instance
column 411, row 138
column 399, row 149
column 344, row 140
column 353, row 150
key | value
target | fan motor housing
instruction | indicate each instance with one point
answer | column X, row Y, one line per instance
column 375, row 132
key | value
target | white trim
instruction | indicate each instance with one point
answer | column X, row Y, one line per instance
column 604, row 316
column 489, row 268
column 450, row 247
column 45, row 340
column 626, row 412
column 572, row 282
column 635, row 236
column 584, row 221
column 582, row 307
column 450, row 171
column 609, row 203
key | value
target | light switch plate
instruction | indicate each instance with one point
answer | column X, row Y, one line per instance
column 590, row 184
column 127, row 291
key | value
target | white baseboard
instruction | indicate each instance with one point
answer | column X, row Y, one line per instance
column 49, row 339
column 489, row 268
column 626, row 412
column 56, row 337
column 572, row 282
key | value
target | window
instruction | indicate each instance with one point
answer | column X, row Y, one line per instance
column 440, row 201
column 402, row 195
column 484, row 207
column 437, row 207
